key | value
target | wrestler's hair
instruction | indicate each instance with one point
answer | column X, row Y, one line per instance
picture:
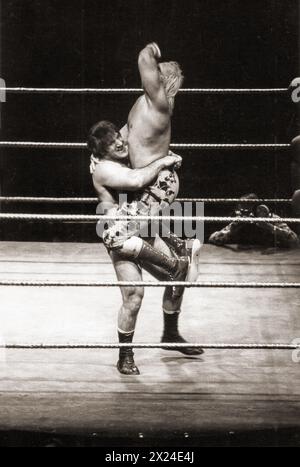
column 172, row 77
column 100, row 136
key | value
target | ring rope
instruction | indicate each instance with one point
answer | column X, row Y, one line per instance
column 34, row 199
column 223, row 285
column 169, row 345
column 234, row 200
column 93, row 218
column 66, row 145
column 32, row 90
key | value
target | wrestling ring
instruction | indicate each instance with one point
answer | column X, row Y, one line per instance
column 57, row 370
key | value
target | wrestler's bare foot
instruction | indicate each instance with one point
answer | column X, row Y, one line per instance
column 177, row 338
column 127, row 366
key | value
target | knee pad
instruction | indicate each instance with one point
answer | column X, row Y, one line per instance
column 132, row 246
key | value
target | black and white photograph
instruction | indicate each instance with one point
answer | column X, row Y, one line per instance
column 149, row 226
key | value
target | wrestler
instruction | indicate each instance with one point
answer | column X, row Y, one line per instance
column 148, row 129
column 111, row 176
column 148, row 132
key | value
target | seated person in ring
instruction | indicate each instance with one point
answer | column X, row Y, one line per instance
column 258, row 233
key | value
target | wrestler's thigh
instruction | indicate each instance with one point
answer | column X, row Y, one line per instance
column 127, row 270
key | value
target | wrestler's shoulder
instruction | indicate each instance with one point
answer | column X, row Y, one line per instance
column 104, row 164
column 104, row 167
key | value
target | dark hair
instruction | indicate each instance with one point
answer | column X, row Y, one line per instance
column 100, row 136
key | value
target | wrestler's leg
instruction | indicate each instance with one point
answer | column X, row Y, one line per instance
column 124, row 234
column 166, row 267
column 163, row 192
column 172, row 303
column 178, row 245
column 150, row 203
column 132, row 297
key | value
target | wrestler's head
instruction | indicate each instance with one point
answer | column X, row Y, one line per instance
column 106, row 142
column 172, row 77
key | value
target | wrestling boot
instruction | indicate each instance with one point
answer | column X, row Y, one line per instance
column 126, row 364
column 171, row 334
column 165, row 268
column 179, row 246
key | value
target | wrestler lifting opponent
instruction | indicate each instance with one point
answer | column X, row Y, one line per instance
column 152, row 138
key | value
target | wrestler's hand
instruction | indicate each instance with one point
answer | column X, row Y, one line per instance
column 155, row 49
column 179, row 161
column 172, row 160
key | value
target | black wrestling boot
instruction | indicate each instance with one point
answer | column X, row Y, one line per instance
column 162, row 267
column 189, row 248
column 126, row 364
column 168, row 269
column 171, row 334
column 177, row 244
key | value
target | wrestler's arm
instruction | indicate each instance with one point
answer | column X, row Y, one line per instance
column 112, row 175
column 150, row 75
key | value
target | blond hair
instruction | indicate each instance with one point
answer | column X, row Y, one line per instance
column 173, row 78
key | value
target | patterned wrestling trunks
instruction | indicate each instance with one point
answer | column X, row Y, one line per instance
column 149, row 203
column 166, row 186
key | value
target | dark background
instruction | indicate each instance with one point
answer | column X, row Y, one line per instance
column 95, row 43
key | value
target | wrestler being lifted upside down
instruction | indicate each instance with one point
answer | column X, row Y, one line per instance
column 150, row 174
